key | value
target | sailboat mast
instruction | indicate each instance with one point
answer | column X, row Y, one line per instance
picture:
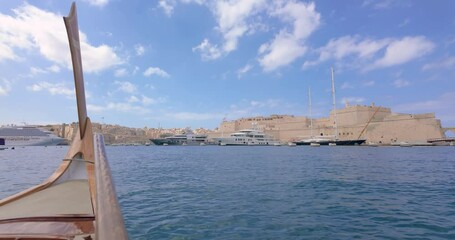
column 311, row 117
column 334, row 106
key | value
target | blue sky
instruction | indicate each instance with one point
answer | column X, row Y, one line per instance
column 180, row 63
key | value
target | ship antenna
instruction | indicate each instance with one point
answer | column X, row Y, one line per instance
column 334, row 105
column 311, row 117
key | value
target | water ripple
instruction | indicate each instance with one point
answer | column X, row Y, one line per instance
column 269, row 193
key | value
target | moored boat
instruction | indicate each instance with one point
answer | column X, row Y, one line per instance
column 247, row 137
column 78, row 200
column 328, row 140
column 188, row 138
column 2, row 144
column 28, row 136
column 331, row 142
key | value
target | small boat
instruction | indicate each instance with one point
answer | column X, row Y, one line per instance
column 401, row 144
column 291, row 144
column 2, row 144
column 405, row 144
column 372, row 144
column 315, row 144
column 332, row 143
column 78, row 200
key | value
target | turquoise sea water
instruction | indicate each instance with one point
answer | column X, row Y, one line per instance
column 212, row 192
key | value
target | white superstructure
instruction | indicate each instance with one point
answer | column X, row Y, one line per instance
column 247, row 137
column 28, row 136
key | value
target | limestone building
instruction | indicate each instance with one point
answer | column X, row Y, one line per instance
column 374, row 123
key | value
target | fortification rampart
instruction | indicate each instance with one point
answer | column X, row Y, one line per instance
column 373, row 123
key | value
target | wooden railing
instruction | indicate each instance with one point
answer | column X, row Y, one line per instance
column 109, row 222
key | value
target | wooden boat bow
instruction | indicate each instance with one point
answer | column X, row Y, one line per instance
column 78, row 201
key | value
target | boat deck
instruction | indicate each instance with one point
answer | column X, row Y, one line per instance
column 59, row 211
column 68, row 198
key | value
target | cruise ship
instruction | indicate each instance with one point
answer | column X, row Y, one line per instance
column 182, row 139
column 247, row 137
column 28, row 136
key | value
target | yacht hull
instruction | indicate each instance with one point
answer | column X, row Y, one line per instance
column 336, row 142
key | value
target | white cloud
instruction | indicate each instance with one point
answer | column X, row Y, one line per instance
column 448, row 63
column 346, row 85
column 404, row 50
column 442, row 105
column 36, row 70
column 365, row 53
column 150, row 86
column 283, row 50
column 98, row 3
column 144, row 100
column 132, row 99
column 140, row 50
column 385, row 4
column 122, row 72
column 135, row 70
column 126, row 107
column 244, row 70
column 346, row 46
column 369, row 83
column 5, row 87
column 52, row 88
column 404, row 23
column 287, row 45
column 147, row 101
column 167, row 6
column 133, row 104
column 269, row 103
column 207, row 50
column 31, row 28
column 232, row 18
column 156, row 71
column 54, row 68
column 236, row 18
column 400, row 83
column 194, row 116
column 200, row 2
column 6, row 52
column 126, row 87
column 95, row 108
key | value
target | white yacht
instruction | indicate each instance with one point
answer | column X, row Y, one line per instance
column 28, row 136
column 187, row 138
column 247, row 137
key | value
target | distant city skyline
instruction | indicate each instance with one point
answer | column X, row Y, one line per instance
column 193, row 63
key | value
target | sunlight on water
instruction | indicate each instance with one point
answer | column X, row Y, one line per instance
column 268, row 192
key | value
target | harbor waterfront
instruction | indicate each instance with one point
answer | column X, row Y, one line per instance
column 217, row 192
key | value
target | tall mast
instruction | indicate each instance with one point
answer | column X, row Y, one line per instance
column 334, row 106
column 311, row 117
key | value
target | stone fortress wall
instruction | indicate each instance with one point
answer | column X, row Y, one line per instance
column 374, row 123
